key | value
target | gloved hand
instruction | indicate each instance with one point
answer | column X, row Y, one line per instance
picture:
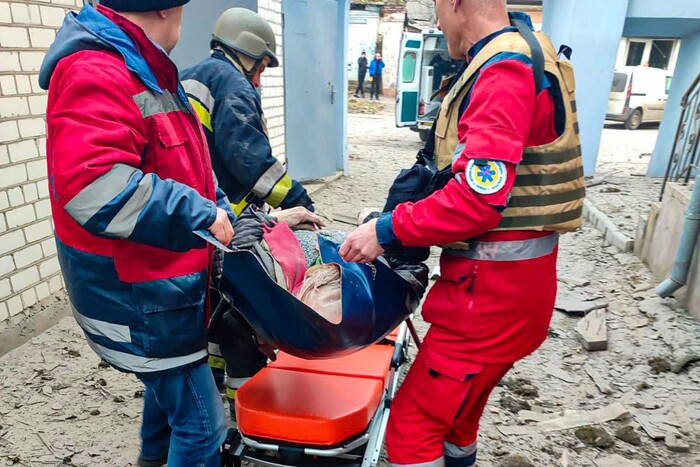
column 249, row 228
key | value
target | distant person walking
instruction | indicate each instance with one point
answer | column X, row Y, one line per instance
column 375, row 71
column 361, row 73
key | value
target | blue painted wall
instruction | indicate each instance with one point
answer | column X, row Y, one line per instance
column 687, row 69
column 594, row 38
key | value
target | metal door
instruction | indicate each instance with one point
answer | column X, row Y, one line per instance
column 315, row 89
column 408, row 81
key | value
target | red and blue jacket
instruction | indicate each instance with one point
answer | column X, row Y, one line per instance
column 130, row 182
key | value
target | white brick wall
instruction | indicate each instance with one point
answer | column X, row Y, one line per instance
column 273, row 81
column 29, row 270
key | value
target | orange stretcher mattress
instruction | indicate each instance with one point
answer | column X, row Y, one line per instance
column 314, row 402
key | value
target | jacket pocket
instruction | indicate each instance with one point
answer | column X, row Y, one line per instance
column 173, row 315
column 451, row 301
column 173, row 152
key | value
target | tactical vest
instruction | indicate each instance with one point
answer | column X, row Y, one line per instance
column 549, row 186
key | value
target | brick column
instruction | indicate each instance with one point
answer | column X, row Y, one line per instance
column 273, row 81
column 29, row 270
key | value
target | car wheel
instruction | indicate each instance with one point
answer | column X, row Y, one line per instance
column 634, row 120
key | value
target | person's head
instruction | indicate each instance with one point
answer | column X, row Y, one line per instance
column 465, row 22
column 160, row 19
column 248, row 39
column 364, row 54
column 377, row 56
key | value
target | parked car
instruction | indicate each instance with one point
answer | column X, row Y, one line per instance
column 424, row 63
column 638, row 95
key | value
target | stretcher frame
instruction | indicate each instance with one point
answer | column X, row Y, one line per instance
column 362, row 450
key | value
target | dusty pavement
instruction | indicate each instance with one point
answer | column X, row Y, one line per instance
column 57, row 405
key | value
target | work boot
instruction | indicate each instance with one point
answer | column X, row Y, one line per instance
column 157, row 463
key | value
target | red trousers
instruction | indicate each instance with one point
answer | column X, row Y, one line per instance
column 435, row 414
column 485, row 316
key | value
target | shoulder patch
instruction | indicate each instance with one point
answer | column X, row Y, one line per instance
column 486, row 177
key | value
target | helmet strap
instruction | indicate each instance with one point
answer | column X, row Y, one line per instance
column 234, row 56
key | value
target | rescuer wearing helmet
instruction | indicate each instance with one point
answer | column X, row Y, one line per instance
column 224, row 91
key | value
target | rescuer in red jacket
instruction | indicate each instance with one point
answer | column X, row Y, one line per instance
column 507, row 127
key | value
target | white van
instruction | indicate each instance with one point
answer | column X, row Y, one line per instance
column 638, row 95
column 424, row 62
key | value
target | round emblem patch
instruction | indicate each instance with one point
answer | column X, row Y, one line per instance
column 486, row 177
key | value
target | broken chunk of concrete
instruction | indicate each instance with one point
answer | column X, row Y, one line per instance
column 603, row 386
column 573, row 419
column 561, row 374
column 675, row 443
column 531, row 416
column 651, row 426
column 573, row 280
column 592, row 331
column 594, row 436
column 577, row 306
column 616, row 460
column 680, row 364
column 629, row 435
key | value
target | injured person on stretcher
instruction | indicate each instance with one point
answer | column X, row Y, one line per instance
column 299, row 295
column 342, row 342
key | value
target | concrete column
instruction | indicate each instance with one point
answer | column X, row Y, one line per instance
column 594, row 38
column 686, row 70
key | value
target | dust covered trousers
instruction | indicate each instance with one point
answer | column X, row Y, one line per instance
column 511, row 139
column 129, row 182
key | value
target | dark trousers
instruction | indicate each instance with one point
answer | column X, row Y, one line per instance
column 376, row 86
column 360, row 84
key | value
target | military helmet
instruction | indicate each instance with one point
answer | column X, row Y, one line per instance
column 246, row 32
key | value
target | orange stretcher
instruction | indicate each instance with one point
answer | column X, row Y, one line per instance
column 319, row 413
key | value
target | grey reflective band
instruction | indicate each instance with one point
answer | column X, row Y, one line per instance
column 151, row 103
column 544, row 219
column 235, row 383
column 96, row 195
column 458, row 152
column 123, row 224
column 200, row 92
column 546, row 200
column 436, row 463
column 558, row 157
column 139, row 364
column 114, row 332
column 516, row 250
column 269, row 179
column 214, row 349
column 452, row 450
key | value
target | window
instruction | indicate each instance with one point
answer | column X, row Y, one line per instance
column 619, row 82
column 669, row 79
column 660, row 56
column 408, row 67
column 635, row 53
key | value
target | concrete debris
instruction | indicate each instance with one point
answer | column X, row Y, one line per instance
column 651, row 425
column 573, row 280
column 659, row 365
column 603, row 386
column 675, row 443
column 561, row 374
column 516, row 460
column 592, row 331
column 683, row 362
column 577, row 306
column 573, row 419
column 594, row 436
column 520, row 386
column 629, row 435
column 616, row 460
column 361, row 106
column 564, row 459
column 513, row 405
column 532, row 416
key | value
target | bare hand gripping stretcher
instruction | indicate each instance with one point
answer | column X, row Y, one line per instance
column 325, row 401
